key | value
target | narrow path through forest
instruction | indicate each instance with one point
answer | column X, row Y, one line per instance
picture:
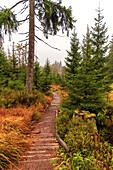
column 44, row 143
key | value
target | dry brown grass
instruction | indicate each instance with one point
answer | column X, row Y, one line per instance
column 15, row 130
column 59, row 90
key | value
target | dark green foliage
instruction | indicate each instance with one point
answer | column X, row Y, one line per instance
column 11, row 75
column 4, row 70
column 35, row 116
column 8, row 21
column 62, row 123
column 99, row 42
column 49, row 93
column 73, row 70
column 57, row 78
column 17, row 78
column 88, row 79
column 36, row 76
column 46, row 78
column 73, row 66
column 92, row 98
column 54, row 16
column 10, row 98
column 74, row 58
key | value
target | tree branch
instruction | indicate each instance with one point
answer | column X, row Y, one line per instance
column 47, row 43
column 24, row 33
column 49, row 33
column 17, row 4
column 36, row 56
column 24, row 19
column 23, row 10
column 23, row 40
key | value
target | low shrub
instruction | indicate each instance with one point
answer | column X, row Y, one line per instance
column 10, row 98
column 87, row 150
column 49, row 93
column 62, row 122
column 35, row 116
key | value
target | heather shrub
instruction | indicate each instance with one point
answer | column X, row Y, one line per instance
column 11, row 98
column 87, row 149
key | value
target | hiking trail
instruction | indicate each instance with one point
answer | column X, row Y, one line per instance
column 44, row 144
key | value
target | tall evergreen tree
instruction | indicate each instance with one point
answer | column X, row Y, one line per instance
column 89, row 92
column 46, row 77
column 52, row 17
column 73, row 60
column 73, row 67
column 99, row 41
column 90, row 83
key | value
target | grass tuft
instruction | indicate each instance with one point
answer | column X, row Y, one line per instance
column 17, row 111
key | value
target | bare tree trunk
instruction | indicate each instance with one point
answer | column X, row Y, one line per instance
column 31, row 48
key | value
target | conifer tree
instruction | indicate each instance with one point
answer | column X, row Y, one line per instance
column 99, row 41
column 89, row 92
column 73, row 59
column 52, row 17
column 46, row 77
column 89, row 82
column 4, row 69
column 73, row 67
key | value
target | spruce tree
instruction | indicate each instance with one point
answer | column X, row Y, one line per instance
column 99, row 41
column 46, row 77
column 89, row 81
column 4, row 69
column 51, row 16
column 89, row 92
column 73, row 59
column 73, row 67
column 81, row 90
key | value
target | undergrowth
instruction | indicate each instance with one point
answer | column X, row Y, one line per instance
column 87, row 150
column 17, row 110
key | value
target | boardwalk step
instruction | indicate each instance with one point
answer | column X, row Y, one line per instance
column 38, row 152
column 45, row 144
column 38, row 156
column 40, row 160
column 43, row 147
column 45, row 140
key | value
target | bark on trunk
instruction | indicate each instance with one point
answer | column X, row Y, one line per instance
column 31, row 48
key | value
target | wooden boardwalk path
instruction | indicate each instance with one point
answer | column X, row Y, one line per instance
column 44, row 143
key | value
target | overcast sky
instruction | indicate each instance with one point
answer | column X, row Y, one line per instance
column 84, row 12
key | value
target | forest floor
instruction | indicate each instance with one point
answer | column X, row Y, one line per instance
column 43, row 145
